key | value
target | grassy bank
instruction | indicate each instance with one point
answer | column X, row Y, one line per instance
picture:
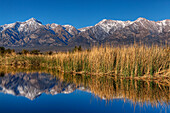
column 132, row 61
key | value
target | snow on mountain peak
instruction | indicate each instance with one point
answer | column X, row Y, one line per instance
column 33, row 20
column 165, row 22
column 6, row 26
column 141, row 19
column 85, row 28
column 71, row 29
column 27, row 26
column 104, row 20
column 107, row 25
column 67, row 26
column 30, row 25
column 53, row 25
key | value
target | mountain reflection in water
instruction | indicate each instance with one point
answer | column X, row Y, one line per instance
column 32, row 85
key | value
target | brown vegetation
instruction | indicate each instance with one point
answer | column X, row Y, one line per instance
column 130, row 62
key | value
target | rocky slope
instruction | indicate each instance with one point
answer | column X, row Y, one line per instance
column 119, row 32
column 32, row 33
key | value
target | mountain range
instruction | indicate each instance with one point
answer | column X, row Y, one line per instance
column 32, row 33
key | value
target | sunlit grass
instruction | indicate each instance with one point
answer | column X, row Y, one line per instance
column 131, row 61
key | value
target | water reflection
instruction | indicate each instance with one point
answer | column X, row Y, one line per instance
column 32, row 85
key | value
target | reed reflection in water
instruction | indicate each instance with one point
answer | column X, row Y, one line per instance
column 32, row 84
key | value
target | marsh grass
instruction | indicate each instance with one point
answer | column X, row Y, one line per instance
column 131, row 61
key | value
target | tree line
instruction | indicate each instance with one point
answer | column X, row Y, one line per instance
column 4, row 51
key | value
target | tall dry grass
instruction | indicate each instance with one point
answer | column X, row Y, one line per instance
column 131, row 61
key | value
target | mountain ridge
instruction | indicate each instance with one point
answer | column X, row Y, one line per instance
column 32, row 33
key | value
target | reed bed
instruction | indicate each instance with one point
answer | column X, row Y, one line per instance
column 131, row 61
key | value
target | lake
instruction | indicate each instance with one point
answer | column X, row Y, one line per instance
column 37, row 92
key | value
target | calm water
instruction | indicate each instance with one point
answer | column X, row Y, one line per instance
column 44, row 93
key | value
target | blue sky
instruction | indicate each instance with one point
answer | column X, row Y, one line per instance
column 81, row 13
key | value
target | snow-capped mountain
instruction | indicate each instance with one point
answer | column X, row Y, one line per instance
column 113, row 25
column 71, row 29
column 26, row 27
column 32, row 33
column 111, row 28
column 30, row 26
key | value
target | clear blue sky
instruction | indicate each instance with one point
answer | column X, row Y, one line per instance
column 81, row 13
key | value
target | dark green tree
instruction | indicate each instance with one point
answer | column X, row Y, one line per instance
column 80, row 49
column 2, row 50
column 8, row 51
column 77, row 48
column 35, row 52
column 24, row 51
column 50, row 52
